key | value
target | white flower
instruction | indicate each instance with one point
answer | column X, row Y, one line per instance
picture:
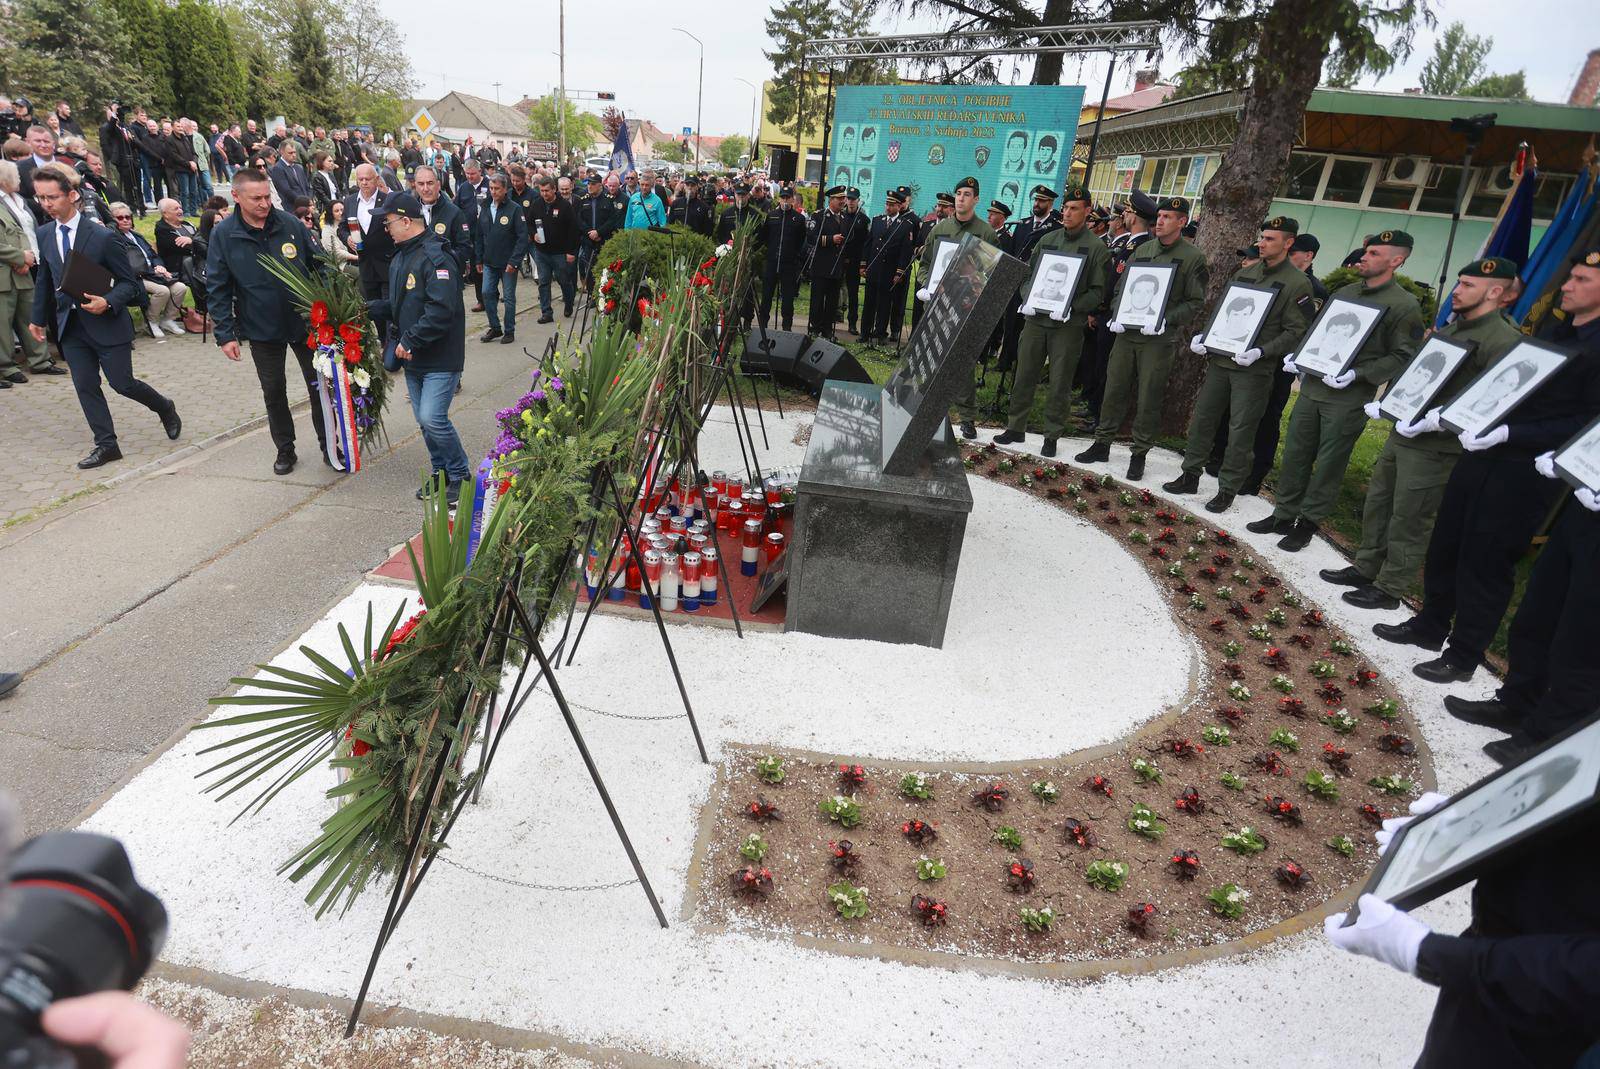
column 723, row 250
column 362, row 378
column 320, row 364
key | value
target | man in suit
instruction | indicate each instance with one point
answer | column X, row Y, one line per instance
column 95, row 331
column 370, row 242
column 288, row 177
column 43, row 144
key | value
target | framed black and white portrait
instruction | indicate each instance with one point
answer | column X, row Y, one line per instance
column 1493, row 395
column 1446, row 848
column 1411, row 395
column 1054, row 284
column 1145, row 289
column 1333, row 341
column 1578, row 462
column 1238, row 318
column 943, row 253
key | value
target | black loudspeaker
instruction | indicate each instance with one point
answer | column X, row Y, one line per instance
column 773, row 352
column 781, row 164
column 824, row 360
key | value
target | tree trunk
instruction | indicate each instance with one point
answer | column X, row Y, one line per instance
column 1047, row 69
column 1295, row 38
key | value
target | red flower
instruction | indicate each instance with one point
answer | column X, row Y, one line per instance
column 357, row 747
column 402, row 633
column 324, row 335
column 319, row 313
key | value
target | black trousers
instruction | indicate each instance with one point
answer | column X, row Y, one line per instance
column 1092, row 367
column 1012, row 326
column 1554, row 679
column 1493, row 506
column 824, row 313
column 875, row 306
column 1269, row 429
column 269, row 358
column 87, row 362
column 784, row 283
column 897, row 307
column 850, row 293
column 131, row 188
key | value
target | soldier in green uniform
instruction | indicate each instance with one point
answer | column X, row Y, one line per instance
column 964, row 220
column 1236, row 386
column 1060, row 341
column 1409, row 478
column 1328, row 416
column 1141, row 361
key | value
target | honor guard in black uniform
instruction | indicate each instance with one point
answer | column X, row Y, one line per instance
column 1024, row 236
column 736, row 215
column 890, row 241
column 897, row 304
column 785, row 235
column 825, row 237
column 855, row 248
column 600, row 215
column 698, row 213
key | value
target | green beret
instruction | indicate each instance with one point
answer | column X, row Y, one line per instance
column 1174, row 204
column 1490, row 267
column 1397, row 238
column 1076, row 191
column 1587, row 258
column 968, row 182
column 1283, row 223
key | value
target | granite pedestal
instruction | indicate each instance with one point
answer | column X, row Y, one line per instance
column 874, row 555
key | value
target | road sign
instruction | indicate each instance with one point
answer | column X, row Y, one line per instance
column 1127, row 163
column 422, row 122
column 688, row 131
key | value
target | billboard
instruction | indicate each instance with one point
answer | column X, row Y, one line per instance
column 929, row 137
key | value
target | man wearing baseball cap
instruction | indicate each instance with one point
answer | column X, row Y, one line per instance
column 962, row 221
column 1328, row 416
column 427, row 332
column 1409, row 477
column 1238, row 382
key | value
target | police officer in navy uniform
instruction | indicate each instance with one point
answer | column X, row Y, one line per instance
column 825, row 237
column 427, row 332
column 785, row 237
column 855, row 246
column 699, row 214
column 600, row 214
column 736, row 214
column 442, row 217
column 890, row 241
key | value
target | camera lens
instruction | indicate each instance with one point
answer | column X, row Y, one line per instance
column 76, row 922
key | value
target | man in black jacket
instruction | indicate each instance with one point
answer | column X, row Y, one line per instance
column 499, row 244
column 443, row 218
column 553, row 231
column 890, row 240
column 249, row 305
column 121, row 154
column 177, row 157
column 600, row 215
column 288, row 177
column 785, row 233
column 857, row 226
column 825, row 238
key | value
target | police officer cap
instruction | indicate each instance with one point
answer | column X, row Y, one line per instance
column 1118, row 207
column 593, row 179
column 1143, row 205
column 786, row 192
column 1306, row 243
column 1493, row 267
column 835, row 191
column 1044, row 192
column 1397, row 238
column 1174, row 204
column 402, row 204
column 1587, row 258
column 1001, row 207
column 968, row 182
column 742, row 189
column 945, row 198
column 898, row 194
column 852, row 193
column 1282, row 223
column 1076, row 191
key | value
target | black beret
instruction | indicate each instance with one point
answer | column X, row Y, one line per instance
column 1000, row 206
column 1492, row 267
column 1397, row 238
column 1044, row 191
column 1174, row 204
column 968, row 182
column 1587, row 258
column 1282, row 222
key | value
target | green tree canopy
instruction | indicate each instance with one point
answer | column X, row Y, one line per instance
column 208, row 78
column 544, row 121
column 1513, row 86
column 732, row 147
column 148, row 53
column 1457, row 61
column 74, row 50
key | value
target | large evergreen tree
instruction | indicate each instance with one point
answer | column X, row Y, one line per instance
column 1457, row 61
column 306, row 49
column 74, row 50
column 207, row 80
column 146, row 47
column 790, row 25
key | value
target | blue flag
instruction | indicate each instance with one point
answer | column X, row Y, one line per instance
column 622, row 152
column 1550, row 257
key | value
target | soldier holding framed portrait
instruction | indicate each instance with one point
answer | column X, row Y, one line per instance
column 1259, row 321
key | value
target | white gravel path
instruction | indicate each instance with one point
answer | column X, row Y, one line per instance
column 1070, row 666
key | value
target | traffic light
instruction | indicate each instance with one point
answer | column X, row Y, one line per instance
column 605, row 96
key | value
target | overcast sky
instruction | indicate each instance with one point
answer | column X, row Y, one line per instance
column 629, row 47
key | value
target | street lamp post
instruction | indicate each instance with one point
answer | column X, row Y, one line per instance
column 561, row 102
column 754, row 102
column 699, row 92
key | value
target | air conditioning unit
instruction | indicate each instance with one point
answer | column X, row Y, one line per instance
column 1407, row 171
column 1497, row 180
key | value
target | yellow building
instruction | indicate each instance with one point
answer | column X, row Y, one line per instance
column 818, row 101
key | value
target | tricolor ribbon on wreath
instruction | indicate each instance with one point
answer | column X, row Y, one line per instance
column 335, row 390
column 490, row 490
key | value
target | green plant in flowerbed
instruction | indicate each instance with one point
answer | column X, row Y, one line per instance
column 1045, row 791
column 931, row 868
column 1228, row 901
column 1037, row 920
column 1107, row 875
column 1217, row 735
column 1232, row 780
column 1147, row 770
column 915, row 785
column 390, row 704
column 1322, row 785
column 1008, row 837
column 1392, row 784
column 769, row 769
column 845, row 812
column 1342, row 844
column 848, row 900
column 1285, row 740
column 1142, row 821
column 1244, row 841
column 754, row 847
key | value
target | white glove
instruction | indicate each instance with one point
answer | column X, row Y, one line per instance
column 1380, row 932
column 1371, row 409
column 1545, row 464
column 1430, row 422
column 1290, row 366
column 1248, row 357
column 1061, row 315
column 1027, row 310
column 923, row 295
column 1152, row 331
column 1587, row 498
column 1115, row 327
column 1339, row 382
column 1476, row 443
column 1424, row 805
column 1197, row 345
column 1412, row 429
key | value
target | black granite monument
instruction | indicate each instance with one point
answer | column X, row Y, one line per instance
column 882, row 506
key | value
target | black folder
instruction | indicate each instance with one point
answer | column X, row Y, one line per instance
column 86, row 278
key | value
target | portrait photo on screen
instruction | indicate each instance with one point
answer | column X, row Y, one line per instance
column 941, row 261
column 844, row 149
column 867, row 146
column 1238, row 318
column 1578, row 461
column 1333, row 341
column 1448, row 846
column 1411, row 395
column 1014, row 157
column 1054, row 282
column 1047, row 155
column 864, row 180
column 841, row 176
column 1493, row 395
column 1145, row 289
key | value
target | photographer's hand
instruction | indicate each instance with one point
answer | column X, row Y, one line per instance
column 132, row 1034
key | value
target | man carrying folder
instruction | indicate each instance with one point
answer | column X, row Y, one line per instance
column 85, row 286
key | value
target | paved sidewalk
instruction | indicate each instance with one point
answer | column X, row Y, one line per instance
column 43, row 434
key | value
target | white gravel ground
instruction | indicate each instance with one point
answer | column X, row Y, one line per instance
column 1057, row 641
